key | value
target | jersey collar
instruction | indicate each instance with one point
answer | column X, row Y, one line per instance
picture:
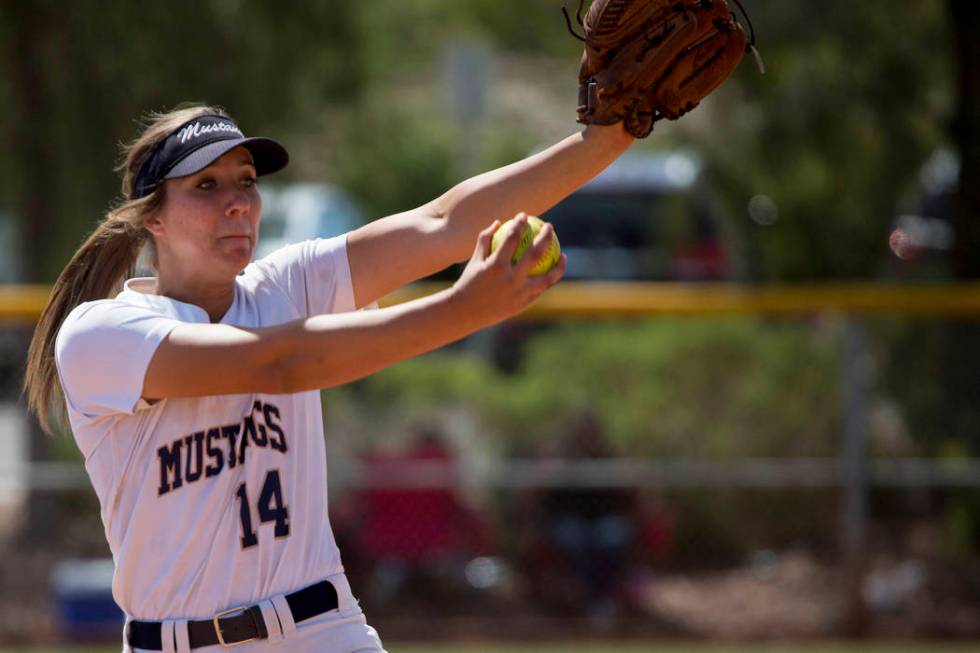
column 140, row 291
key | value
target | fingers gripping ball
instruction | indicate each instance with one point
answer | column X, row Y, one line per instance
column 534, row 226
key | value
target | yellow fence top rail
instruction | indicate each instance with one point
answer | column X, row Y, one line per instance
column 22, row 304
column 581, row 299
column 639, row 299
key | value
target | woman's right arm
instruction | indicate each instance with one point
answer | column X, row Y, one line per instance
column 327, row 350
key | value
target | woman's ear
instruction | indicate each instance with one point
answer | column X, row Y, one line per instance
column 153, row 224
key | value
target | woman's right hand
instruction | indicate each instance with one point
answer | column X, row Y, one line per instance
column 491, row 288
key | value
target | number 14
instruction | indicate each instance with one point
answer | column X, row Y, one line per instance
column 270, row 506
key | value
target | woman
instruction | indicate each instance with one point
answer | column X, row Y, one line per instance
column 194, row 395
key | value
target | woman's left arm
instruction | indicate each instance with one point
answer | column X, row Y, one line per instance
column 388, row 253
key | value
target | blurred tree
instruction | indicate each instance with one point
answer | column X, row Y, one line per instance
column 854, row 98
column 396, row 159
column 397, row 146
column 82, row 73
column 30, row 33
column 931, row 367
column 650, row 382
column 960, row 414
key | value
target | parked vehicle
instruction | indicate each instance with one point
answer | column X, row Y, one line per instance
column 922, row 238
column 643, row 218
column 297, row 212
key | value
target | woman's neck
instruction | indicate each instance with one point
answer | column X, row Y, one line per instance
column 215, row 299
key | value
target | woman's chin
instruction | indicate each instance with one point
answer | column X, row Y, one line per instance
column 237, row 251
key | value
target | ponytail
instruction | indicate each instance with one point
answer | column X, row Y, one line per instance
column 99, row 267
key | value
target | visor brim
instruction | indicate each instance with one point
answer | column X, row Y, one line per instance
column 268, row 155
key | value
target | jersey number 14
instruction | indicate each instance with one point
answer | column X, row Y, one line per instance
column 270, row 506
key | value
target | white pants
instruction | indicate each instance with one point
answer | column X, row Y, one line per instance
column 344, row 630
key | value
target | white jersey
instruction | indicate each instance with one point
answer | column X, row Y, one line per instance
column 207, row 502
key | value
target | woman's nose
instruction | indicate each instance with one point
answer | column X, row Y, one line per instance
column 239, row 203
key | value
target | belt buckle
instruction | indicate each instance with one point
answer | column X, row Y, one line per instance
column 217, row 626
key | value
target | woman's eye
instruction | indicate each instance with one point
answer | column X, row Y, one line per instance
column 248, row 182
column 206, row 184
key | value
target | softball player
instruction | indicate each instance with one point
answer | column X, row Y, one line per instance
column 194, row 395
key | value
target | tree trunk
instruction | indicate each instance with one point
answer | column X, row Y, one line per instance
column 965, row 15
column 33, row 133
column 961, row 415
column 33, row 111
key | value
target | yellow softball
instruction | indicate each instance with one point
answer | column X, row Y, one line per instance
column 534, row 225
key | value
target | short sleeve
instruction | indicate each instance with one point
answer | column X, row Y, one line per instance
column 102, row 352
column 315, row 274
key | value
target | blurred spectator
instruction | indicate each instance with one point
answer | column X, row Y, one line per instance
column 414, row 534
column 657, row 527
column 583, row 538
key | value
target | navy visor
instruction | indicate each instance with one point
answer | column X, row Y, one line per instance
column 197, row 144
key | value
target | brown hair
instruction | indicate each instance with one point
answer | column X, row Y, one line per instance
column 106, row 258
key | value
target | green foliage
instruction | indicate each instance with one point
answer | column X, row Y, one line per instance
column 538, row 28
column 62, row 447
column 853, row 101
column 663, row 389
column 961, row 526
column 393, row 159
column 905, row 354
column 78, row 76
column 923, row 365
column 687, row 389
column 429, row 382
column 406, row 35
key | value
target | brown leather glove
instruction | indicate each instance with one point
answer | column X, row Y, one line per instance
column 645, row 60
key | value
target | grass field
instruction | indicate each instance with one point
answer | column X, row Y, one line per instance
column 616, row 647
column 653, row 647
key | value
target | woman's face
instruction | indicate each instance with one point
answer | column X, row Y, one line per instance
column 209, row 221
